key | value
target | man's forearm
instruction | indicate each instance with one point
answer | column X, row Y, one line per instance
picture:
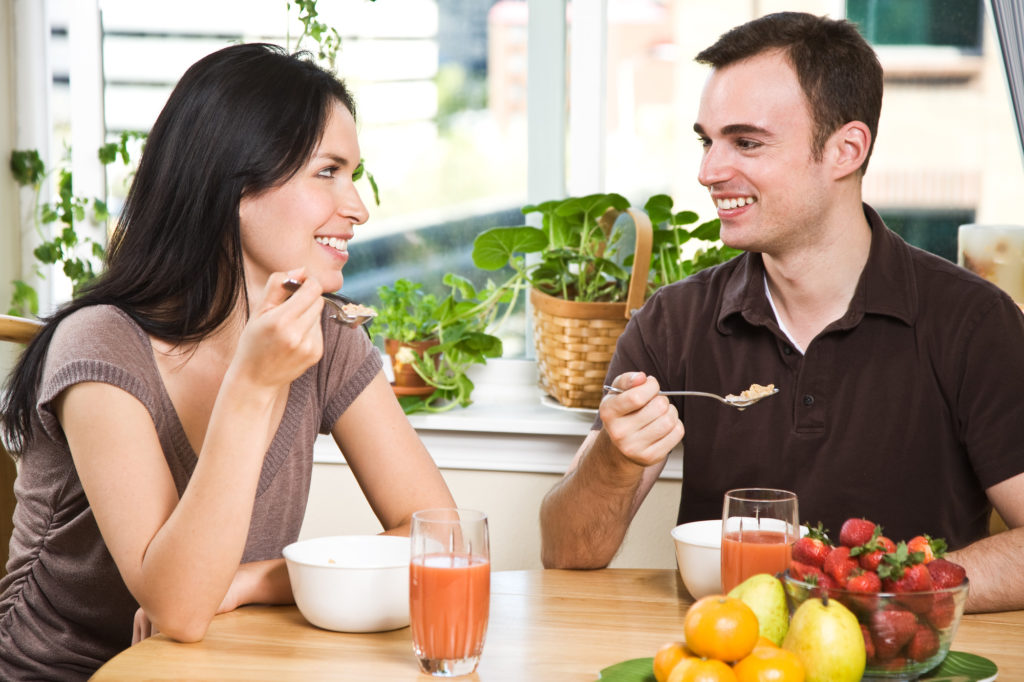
column 993, row 567
column 585, row 516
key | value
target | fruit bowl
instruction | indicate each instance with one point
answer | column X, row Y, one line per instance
column 906, row 634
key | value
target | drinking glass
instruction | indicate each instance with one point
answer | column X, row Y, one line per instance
column 449, row 589
column 759, row 527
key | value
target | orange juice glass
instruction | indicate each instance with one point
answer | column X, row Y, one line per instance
column 449, row 589
column 759, row 527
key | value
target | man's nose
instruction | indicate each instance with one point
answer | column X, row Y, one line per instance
column 713, row 167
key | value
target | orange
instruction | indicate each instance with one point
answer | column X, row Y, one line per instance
column 764, row 641
column 770, row 664
column 665, row 660
column 682, row 666
column 721, row 627
column 707, row 670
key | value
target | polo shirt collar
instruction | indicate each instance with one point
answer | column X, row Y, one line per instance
column 886, row 287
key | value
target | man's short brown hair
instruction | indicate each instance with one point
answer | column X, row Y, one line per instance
column 837, row 69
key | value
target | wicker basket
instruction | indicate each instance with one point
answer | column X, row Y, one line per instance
column 575, row 341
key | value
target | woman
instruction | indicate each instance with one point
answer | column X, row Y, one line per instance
column 165, row 418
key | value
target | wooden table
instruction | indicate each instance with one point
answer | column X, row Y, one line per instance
column 545, row 625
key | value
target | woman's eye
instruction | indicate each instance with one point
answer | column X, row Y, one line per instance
column 328, row 172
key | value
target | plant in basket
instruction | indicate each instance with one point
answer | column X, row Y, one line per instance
column 432, row 341
column 585, row 281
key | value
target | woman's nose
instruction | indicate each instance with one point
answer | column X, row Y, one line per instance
column 352, row 206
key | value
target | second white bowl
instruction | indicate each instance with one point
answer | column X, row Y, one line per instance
column 699, row 556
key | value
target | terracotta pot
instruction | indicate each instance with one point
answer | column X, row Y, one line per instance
column 407, row 381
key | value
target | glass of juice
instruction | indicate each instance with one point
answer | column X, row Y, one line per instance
column 759, row 527
column 449, row 589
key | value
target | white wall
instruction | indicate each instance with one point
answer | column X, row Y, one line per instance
column 512, row 503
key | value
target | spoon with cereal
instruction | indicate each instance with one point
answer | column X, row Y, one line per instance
column 346, row 311
column 748, row 397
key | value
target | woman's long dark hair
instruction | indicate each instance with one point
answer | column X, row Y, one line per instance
column 241, row 120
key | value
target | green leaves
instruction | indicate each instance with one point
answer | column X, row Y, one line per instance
column 76, row 254
column 670, row 261
column 361, row 172
column 494, row 248
column 326, row 37
column 579, row 254
column 460, row 323
column 27, row 167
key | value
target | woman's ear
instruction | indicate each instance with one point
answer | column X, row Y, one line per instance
column 848, row 148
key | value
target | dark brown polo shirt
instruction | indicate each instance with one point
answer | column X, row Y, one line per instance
column 903, row 411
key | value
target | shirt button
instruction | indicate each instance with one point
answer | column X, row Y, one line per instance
column 786, row 350
column 808, row 400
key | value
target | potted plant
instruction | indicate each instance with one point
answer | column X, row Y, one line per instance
column 433, row 341
column 585, row 284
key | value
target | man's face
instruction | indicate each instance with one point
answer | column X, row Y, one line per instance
column 755, row 125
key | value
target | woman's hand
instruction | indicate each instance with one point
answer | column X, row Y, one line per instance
column 283, row 338
column 142, row 627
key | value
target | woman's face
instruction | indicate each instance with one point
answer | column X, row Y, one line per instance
column 309, row 220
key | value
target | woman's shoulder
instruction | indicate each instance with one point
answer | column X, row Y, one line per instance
column 98, row 332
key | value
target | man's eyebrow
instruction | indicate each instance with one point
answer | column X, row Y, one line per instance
column 735, row 129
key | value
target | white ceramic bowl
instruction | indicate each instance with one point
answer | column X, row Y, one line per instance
column 351, row 583
column 699, row 556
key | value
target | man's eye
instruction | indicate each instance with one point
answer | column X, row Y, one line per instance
column 747, row 144
column 704, row 142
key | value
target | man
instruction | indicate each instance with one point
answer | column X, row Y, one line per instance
column 901, row 376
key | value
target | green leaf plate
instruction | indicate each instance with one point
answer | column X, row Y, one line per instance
column 958, row 667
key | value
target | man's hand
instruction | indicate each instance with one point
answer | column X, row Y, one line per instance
column 585, row 516
column 642, row 425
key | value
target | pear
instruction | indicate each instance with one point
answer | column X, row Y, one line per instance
column 827, row 638
column 766, row 597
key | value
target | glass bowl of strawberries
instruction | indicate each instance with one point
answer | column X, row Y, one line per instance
column 906, row 596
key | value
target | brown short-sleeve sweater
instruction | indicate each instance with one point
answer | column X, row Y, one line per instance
column 64, row 608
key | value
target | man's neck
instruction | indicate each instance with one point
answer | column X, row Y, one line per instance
column 813, row 283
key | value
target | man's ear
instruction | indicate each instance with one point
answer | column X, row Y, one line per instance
column 848, row 148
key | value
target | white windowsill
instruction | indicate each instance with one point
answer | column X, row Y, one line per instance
column 507, row 428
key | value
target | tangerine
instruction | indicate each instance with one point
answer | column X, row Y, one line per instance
column 721, row 627
column 707, row 670
column 666, row 659
column 682, row 666
column 770, row 664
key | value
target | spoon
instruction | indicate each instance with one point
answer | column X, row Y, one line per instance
column 347, row 311
column 736, row 401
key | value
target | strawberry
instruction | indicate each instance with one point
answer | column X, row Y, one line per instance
column 865, row 586
column 931, row 548
column 915, row 581
column 890, row 631
column 805, row 572
column 870, row 554
column 923, row 645
column 855, row 532
column 945, row 573
column 839, row 566
column 814, row 547
column 869, row 644
column 943, row 611
column 865, row 582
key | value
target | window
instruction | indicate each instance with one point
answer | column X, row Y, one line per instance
column 931, row 230
column 442, row 92
column 955, row 23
